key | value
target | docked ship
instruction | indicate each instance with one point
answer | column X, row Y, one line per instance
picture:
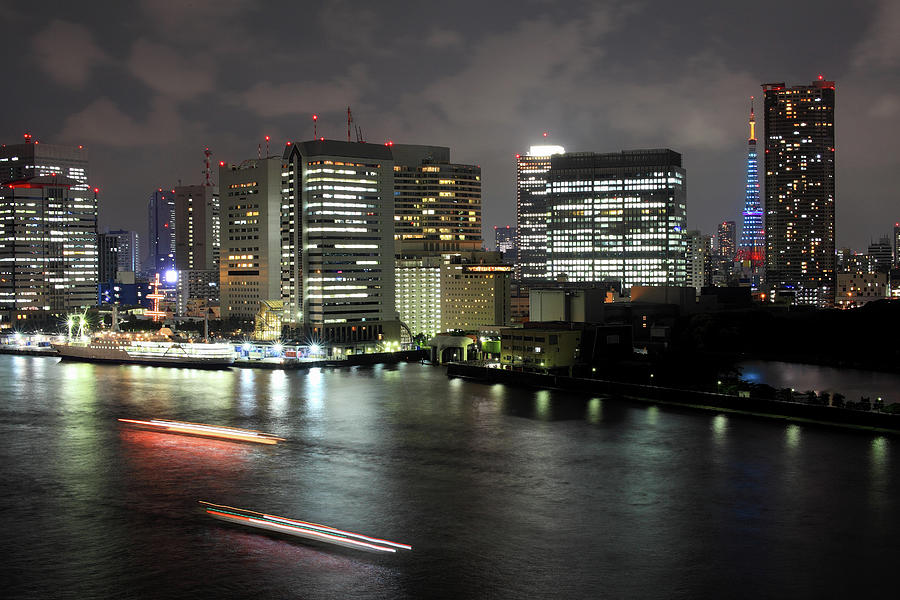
column 122, row 348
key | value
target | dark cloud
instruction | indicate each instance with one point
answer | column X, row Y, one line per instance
column 149, row 85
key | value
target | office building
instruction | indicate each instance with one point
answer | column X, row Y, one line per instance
column 48, row 250
column 532, row 212
column 437, row 204
column 418, row 294
column 753, row 236
column 337, row 243
column 197, row 228
column 127, row 250
column 250, row 258
column 617, row 218
column 196, row 291
column 107, row 257
column 799, row 191
column 505, row 242
column 856, row 289
column 726, row 249
column 697, row 261
column 161, row 231
column 475, row 291
column 880, row 255
column 34, row 159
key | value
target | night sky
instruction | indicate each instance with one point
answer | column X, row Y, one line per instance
column 147, row 85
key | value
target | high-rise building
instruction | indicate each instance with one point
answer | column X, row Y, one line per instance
column 48, row 250
column 437, row 204
column 197, row 227
column 725, row 241
column 251, row 254
column 161, row 231
column 617, row 217
column 338, row 242
column 418, row 293
column 753, row 236
column 33, row 159
column 505, row 240
column 48, row 232
column 697, row 259
column 880, row 255
column 107, row 257
column 896, row 244
column 532, row 212
column 799, row 191
column 127, row 250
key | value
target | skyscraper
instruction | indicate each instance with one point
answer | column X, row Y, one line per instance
column 753, row 237
column 251, row 254
column 505, row 239
column 161, row 231
column 437, row 204
column 532, row 213
column 48, row 233
column 617, row 217
column 338, row 242
column 127, row 250
column 725, row 241
column 799, row 191
column 197, row 235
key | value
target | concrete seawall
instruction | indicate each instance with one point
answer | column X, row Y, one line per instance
column 826, row 415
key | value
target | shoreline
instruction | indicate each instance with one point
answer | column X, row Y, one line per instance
column 698, row 400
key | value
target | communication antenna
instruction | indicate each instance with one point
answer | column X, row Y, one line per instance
column 349, row 121
column 267, row 146
column 315, row 128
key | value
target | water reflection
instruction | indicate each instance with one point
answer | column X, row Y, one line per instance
column 279, row 392
column 652, row 414
column 792, row 437
column 719, row 426
column 595, row 411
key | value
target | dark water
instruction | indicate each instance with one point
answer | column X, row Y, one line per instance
column 503, row 492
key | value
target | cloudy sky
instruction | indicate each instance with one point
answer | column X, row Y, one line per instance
column 146, row 85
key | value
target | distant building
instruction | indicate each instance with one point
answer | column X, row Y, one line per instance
column 107, row 257
column 251, row 254
column 726, row 249
column 541, row 348
column 197, row 228
column 856, row 289
column 799, row 190
column 697, row 260
column 505, row 241
column 896, row 244
column 161, row 231
column 437, row 204
column 880, row 256
column 532, row 212
column 196, row 291
column 616, row 218
column 33, row 159
column 475, row 291
column 127, row 250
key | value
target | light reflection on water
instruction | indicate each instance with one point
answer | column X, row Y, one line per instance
column 499, row 489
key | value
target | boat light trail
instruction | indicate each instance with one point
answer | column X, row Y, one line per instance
column 212, row 431
column 305, row 529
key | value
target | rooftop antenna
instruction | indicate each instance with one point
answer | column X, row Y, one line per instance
column 267, row 146
column 207, row 154
column 359, row 135
column 259, row 151
column 315, row 129
column 349, row 121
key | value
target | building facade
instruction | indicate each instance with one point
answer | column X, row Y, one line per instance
column 856, row 289
column 161, row 231
column 617, row 218
column 418, row 290
column 48, row 250
column 437, row 204
column 799, row 191
column 475, row 291
column 34, row 159
column 250, row 255
column 726, row 248
column 337, row 277
column 532, row 212
column 197, row 228
column 697, row 261
column 127, row 250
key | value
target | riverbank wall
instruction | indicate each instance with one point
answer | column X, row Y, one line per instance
column 825, row 415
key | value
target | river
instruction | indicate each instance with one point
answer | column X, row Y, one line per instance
column 503, row 492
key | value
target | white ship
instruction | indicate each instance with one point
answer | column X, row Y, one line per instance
column 122, row 348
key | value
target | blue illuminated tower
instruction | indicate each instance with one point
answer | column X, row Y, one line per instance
column 753, row 237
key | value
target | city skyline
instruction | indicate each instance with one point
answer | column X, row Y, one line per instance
column 146, row 99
